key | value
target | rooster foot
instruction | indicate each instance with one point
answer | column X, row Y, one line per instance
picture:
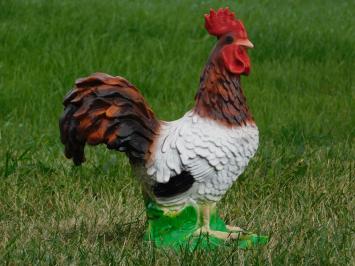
column 233, row 228
column 233, row 233
column 219, row 234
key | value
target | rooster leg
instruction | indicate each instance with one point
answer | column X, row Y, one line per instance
column 205, row 228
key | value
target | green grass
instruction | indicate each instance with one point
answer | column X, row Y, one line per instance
column 299, row 189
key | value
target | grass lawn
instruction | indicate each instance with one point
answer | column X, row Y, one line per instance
column 299, row 189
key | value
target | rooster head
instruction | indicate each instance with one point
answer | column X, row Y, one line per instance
column 233, row 40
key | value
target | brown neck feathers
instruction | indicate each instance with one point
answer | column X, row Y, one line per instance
column 220, row 97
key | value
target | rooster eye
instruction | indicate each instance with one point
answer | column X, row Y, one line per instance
column 229, row 39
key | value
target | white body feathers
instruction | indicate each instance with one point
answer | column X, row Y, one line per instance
column 214, row 154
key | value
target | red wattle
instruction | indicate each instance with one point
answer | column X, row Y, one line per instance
column 236, row 59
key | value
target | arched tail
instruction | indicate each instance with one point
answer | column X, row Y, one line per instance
column 106, row 109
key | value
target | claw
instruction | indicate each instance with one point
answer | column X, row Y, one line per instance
column 220, row 235
column 235, row 229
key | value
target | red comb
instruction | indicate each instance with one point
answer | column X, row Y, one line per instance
column 222, row 22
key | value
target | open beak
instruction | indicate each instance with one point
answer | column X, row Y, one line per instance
column 245, row 43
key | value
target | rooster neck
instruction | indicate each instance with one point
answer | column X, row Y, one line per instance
column 221, row 98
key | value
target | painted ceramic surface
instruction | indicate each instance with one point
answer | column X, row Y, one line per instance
column 184, row 166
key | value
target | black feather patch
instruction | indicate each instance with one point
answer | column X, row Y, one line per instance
column 177, row 184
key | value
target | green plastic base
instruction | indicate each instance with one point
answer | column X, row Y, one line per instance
column 174, row 229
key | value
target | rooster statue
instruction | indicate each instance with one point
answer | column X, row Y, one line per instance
column 185, row 166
